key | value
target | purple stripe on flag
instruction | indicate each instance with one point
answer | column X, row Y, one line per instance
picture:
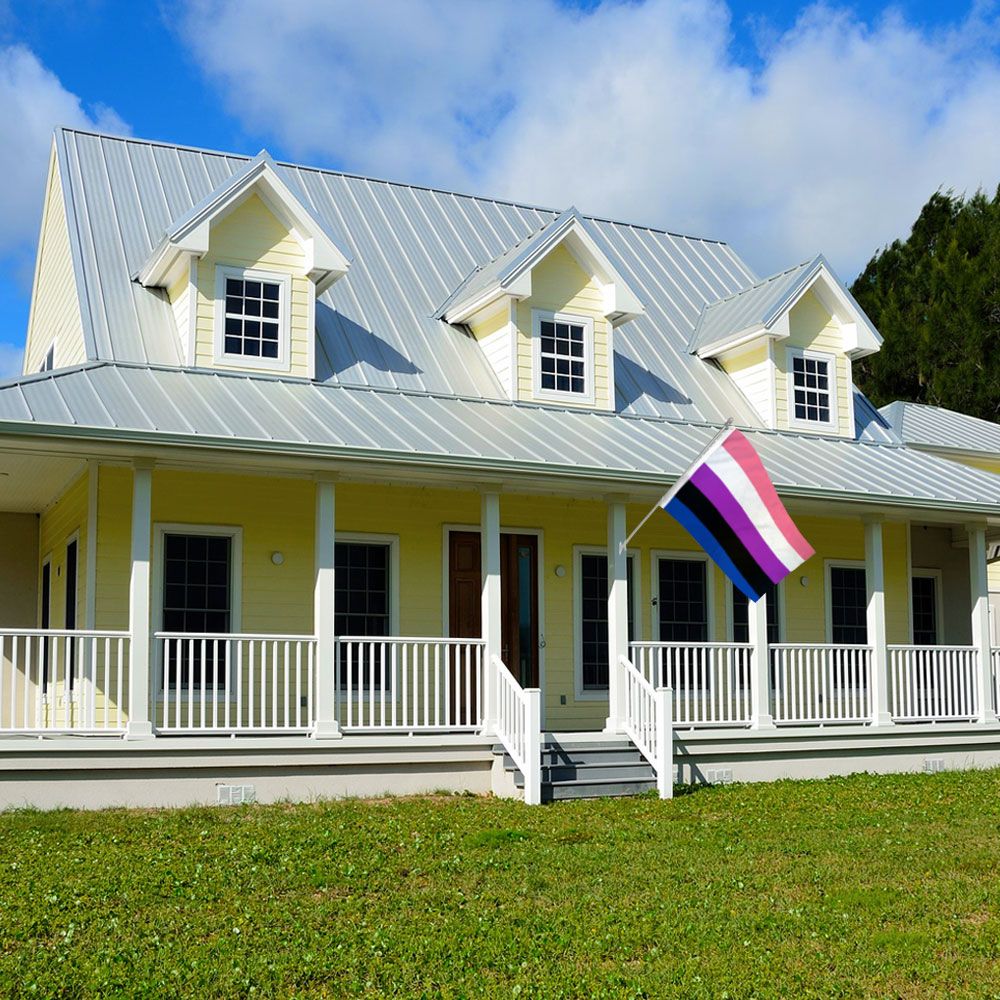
column 717, row 493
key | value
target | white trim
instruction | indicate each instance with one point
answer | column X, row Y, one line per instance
column 772, row 386
column 587, row 322
column 192, row 330
column 829, row 564
column 515, row 362
column 936, row 576
column 655, row 555
column 730, row 623
column 90, row 597
column 580, row 693
column 73, row 536
column 310, row 333
column 831, row 361
column 283, row 361
column 378, row 538
column 45, row 560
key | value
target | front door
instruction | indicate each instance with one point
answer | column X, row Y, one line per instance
column 518, row 598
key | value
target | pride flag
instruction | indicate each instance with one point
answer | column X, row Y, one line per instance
column 727, row 502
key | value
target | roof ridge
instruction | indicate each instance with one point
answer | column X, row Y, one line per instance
column 383, row 180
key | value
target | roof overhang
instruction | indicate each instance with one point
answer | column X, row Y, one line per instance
column 620, row 303
column 859, row 336
column 188, row 237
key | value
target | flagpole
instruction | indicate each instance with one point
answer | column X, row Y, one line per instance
column 669, row 495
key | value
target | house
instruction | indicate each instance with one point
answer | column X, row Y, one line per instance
column 315, row 484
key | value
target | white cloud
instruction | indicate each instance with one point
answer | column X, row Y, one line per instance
column 634, row 110
column 10, row 360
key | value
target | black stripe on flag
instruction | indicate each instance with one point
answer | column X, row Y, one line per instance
column 708, row 514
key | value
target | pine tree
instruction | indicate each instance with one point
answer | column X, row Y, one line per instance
column 935, row 298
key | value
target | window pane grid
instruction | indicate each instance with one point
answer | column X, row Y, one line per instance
column 741, row 611
column 252, row 318
column 361, row 604
column 925, row 611
column 594, row 618
column 562, row 363
column 848, row 605
column 811, row 389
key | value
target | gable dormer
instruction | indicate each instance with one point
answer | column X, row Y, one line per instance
column 544, row 313
column 242, row 270
column 788, row 342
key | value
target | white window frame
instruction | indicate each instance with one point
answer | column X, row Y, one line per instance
column 562, row 396
column 235, row 534
column 580, row 693
column 392, row 541
column 831, row 362
column 730, row 624
column 282, row 362
column 49, row 359
column 937, row 577
column 655, row 556
column 829, row 564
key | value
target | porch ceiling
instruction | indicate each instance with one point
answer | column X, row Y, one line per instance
column 29, row 483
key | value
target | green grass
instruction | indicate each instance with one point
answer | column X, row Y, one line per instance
column 857, row 887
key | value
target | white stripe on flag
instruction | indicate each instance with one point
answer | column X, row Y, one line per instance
column 736, row 480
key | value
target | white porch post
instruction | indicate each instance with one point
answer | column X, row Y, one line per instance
column 490, row 547
column 139, row 725
column 875, row 583
column 617, row 611
column 760, row 671
column 981, row 621
column 327, row 726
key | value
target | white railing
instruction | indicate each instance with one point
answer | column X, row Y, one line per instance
column 996, row 678
column 933, row 683
column 410, row 684
column 646, row 716
column 816, row 683
column 216, row 682
column 54, row 680
column 518, row 724
column 710, row 681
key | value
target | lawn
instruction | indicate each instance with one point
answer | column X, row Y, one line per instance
column 855, row 887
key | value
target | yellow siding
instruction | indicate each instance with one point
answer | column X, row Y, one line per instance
column 989, row 465
column 67, row 516
column 559, row 284
column 752, row 372
column 55, row 304
column 812, row 326
column 251, row 236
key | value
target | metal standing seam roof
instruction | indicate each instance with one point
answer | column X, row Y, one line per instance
column 925, row 426
column 208, row 408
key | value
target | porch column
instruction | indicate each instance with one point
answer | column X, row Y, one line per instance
column 617, row 611
column 760, row 664
column 139, row 725
column 875, row 584
column 324, row 595
column 980, row 591
column 490, row 546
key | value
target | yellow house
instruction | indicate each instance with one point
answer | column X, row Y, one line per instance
column 315, row 484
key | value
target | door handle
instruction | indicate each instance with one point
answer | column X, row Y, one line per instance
column 541, row 643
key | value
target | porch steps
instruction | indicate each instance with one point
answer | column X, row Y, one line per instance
column 588, row 770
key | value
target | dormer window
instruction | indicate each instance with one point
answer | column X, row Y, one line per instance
column 812, row 389
column 252, row 318
column 563, row 356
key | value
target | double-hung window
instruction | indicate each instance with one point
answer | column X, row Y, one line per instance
column 362, row 607
column 252, row 318
column 812, row 390
column 593, row 617
column 848, row 597
column 682, row 609
column 563, row 356
column 924, row 595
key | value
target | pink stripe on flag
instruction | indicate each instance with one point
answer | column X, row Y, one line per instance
column 743, row 452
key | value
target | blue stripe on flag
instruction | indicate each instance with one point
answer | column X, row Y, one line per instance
column 710, row 544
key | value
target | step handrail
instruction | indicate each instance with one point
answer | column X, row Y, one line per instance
column 647, row 721
column 518, row 727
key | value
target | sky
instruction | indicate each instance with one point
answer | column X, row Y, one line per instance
column 784, row 128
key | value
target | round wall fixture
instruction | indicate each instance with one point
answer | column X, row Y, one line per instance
column 804, row 580
column 560, row 570
column 277, row 558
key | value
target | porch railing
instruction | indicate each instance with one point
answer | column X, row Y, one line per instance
column 54, row 680
column 410, row 684
column 646, row 717
column 933, row 683
column 518, row 726
column 234, row 683
column 996, row 679
column 816, row 684
column 710, row 681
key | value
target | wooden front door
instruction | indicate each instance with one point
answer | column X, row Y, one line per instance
column 518, row 598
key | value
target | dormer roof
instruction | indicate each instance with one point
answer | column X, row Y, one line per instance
column 188, row 234
column 759, row 310
column 509, row 274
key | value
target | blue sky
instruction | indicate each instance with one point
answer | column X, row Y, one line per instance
column 782, row 127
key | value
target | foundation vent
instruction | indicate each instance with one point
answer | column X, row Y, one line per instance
column 235, row 795
column 933, row 765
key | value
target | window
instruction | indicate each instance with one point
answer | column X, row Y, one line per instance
column 49, row 361
column 682, row 600
column 925, row 609
column 563, row 355
column 252, row 318
column 812, row 392
column 848, row 605
column 197, row 599
column 362, row 604
column 741, row 611
column 593, row 612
